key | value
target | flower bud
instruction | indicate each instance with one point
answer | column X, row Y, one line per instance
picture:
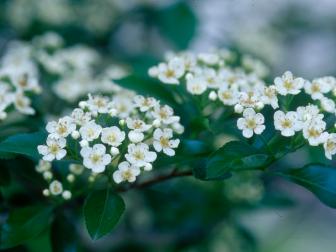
column 260, row 105
column 47, row 175
column 122, row 122
column 213, row 96
column 82, row 104
column 114, row 151
column 84, row 143
column 75, row 134
column 46, row 192
column 66, row 195
column 70, row 178
column 238, row 108
column 148, row 167
column 113, row 112
column 135, row 137
column 157, row 123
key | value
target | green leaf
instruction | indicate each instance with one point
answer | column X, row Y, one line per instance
column 63, row 234
column 317, row 178
column 178, row 24
column 234, row 156
column 148, row 86
column 5, row 176
column 102, row 211
column 24, row 144
column 24, row 224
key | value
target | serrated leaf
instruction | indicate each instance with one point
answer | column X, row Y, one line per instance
column 317, row 178
column 24, row 224
column 24, row 144
column 102, row 211
column 234, row 156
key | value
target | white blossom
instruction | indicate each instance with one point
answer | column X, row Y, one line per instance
column 139, row 154
column 330, row 146
column 126, row 172
column 95, row 158
column 287, row 123
column 163, row 141
column 62, row 128
column 112, row 136
column 288, row 84
column 90, row 131
column 171, row 72
column 53, row 150
column 251, row 123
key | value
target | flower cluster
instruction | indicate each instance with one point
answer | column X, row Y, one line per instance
column 113, row 138
column 18, row 79
column 75, row 68
column 55, row 187
column 244, row 90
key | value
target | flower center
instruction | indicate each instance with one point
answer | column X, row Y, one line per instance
column 288, row 85
column 164, row 141
column 54, row 148
column 127, row 175
column 138, row 155
column 286, row 123
column 170, row 73
column 95, row 158
column 251, row 123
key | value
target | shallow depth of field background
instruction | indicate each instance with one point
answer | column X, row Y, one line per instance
column 296, row 35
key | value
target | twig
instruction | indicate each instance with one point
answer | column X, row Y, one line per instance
column 156, row 180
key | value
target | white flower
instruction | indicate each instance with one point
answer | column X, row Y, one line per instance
column 328, row 105
column 314, row 133
column 287, row 123
column 163, row 141
column 249, row 99
column 211, row 78
column 126, row 172
column 269, row 96
column 55, row 188
column 251, row 122
column 90, row 131
column 124, row 105
column 76, row 169
column 43, row 166
column 144, row 104
column 171, row 72
column 95, row 158
column 308, row 113
column 135, row 136
column 98, row 104
column 62, row 128
column 25, row 82
column 209, row 58
column 165, row 114
column 330, row 146
column 228, row 96
column 80, row 117
column 66, row 195
column 196, row 85
column 22, row 104
column 139, row 154
column 287, row 84
column 112, row 136
column 316, row 88
column 137, row 125
column 53, row 149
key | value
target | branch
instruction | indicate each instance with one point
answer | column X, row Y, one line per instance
column 156, row 180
